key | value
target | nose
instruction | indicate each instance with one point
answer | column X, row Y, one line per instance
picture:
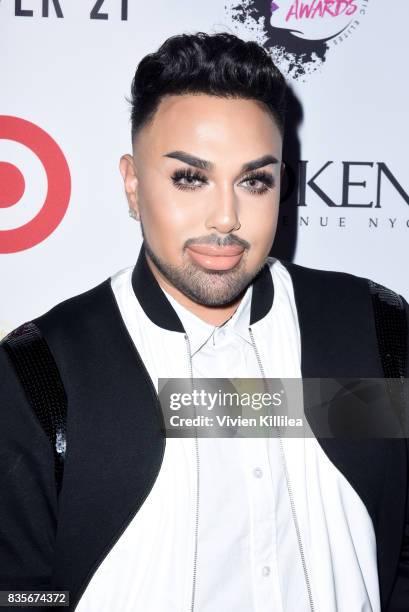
column 223, row 215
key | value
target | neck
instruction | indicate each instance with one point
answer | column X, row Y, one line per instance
column 214, row 315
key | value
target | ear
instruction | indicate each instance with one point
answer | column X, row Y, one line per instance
column 128, row 172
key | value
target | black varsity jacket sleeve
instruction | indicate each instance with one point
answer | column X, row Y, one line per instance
column 28, row 499
column 399, row 601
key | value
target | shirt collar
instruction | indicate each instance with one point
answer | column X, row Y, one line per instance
column 200, row 332
column 160, row 311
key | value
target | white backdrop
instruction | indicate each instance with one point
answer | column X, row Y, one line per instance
column 69, row 76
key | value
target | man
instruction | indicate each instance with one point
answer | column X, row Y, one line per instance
column 126, row 519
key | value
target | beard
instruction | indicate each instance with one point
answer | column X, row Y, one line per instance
column 206, row 287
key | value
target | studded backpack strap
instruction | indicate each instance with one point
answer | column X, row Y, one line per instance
column 41, row 381
column 392, row 333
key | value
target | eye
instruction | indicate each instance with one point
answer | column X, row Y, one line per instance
column 189, row 177
column 265, row 179
column 188, row 180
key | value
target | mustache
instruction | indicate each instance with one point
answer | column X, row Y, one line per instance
column 219, row 241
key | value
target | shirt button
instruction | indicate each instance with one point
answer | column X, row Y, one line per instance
column 266, row 570
column 258, row 472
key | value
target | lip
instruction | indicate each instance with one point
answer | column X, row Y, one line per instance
column 216, row 251
column 216, row 258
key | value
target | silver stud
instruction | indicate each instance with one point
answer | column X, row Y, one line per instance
column 133, row 214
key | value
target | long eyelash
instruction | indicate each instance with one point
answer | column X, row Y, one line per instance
column 189, row 174
column 262, row 176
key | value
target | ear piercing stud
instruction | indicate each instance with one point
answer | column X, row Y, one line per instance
column 133, row 214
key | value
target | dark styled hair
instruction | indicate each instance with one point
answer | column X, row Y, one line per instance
column 219, row 64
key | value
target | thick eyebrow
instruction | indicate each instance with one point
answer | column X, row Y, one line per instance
column 204, row 164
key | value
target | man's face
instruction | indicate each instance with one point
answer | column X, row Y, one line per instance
column 184, row 209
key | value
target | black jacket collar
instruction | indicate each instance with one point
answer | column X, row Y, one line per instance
column 160, row 311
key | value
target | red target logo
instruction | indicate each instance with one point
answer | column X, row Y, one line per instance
column 12, row 185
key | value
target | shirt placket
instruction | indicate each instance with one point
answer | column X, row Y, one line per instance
column 264, row 563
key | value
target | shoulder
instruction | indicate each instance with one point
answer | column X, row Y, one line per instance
column 71, row 319
column 306, row 275
column 354, row 305
column 334, row 284
column 77, row 310
column 83, row 337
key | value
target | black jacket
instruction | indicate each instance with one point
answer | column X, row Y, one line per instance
column 114, row 450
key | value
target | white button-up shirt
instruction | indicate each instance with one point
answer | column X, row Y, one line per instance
column 248, row 558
